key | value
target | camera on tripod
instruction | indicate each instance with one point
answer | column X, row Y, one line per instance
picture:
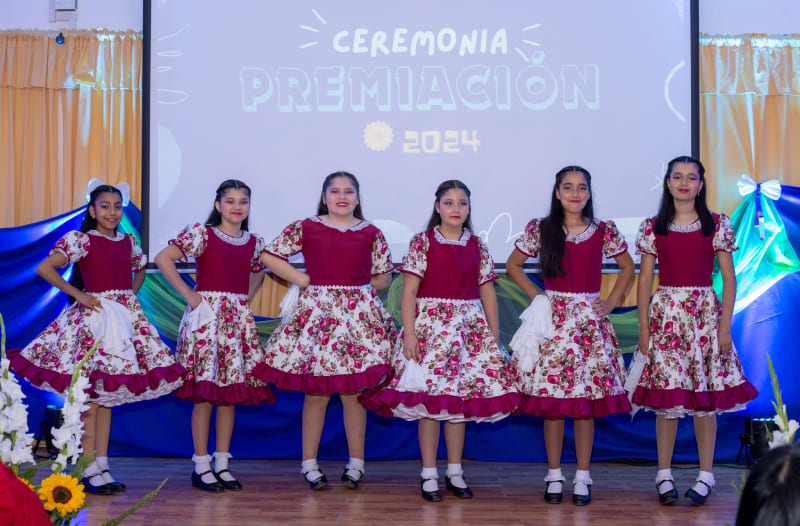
column 52, row 418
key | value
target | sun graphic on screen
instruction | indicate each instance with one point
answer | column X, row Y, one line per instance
column 378, row 136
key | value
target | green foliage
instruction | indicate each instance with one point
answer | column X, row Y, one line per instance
column 133, row 509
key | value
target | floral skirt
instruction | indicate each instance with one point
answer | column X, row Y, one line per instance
column 684, row 371
column 580, row 372
column 337, row 340
column 221, row 353
column 463, row 374
column 149, row 371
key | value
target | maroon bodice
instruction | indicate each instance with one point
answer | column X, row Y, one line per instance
column 107, row 265
column 225, row 267
column 583, row 264
column 685, row 259
column 338, row 257
column 452, row 270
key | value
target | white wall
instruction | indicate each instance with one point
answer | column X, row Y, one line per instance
column 716, row 16
column 116, row 15
column 734, row 17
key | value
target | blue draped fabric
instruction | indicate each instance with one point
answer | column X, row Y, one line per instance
column 162, row 427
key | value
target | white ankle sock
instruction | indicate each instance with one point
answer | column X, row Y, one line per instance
column 708, row 478
column 581, row 482
column 355, row 468
column 202, row 464
column 102, row 464
column 665, row 474
column 431, row 476
column 456, row 475
column 94, row 475
column 554, row 476
column 221, row 463
column 310, row 469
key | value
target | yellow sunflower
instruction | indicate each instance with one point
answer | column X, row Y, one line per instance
column 63, row 493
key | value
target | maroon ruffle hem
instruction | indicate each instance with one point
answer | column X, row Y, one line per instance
column 135, row 383
column 557, row 408
column 695, row 400
column 375, row 376
column 384, row 401
column 234, row 394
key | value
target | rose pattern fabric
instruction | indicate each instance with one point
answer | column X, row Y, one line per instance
column 221, row 355
column 580, row 371
column 684, row 371
column 49, row 360
column 339, row 338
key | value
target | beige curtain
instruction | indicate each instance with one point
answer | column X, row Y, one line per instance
column 749, row 112
column 68, row 113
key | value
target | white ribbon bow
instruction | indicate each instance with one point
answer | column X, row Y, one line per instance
column 124, row 189
column 771, row 188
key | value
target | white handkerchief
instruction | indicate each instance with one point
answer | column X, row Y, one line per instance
column 201, row 315
column 536, row 328
column 113, row 323
column 413, row 378
column 634, row 374
column 289, row 301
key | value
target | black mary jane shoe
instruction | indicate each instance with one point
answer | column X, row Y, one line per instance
column 116, row 486
column 553, row 498
column 461, row 493
column 582, row 500
column 668, row 497
column 696, row 498
column 211, row 487
column 232, row 485
column 316, row 484
column 430, row 496
column 350, row 482
column 103, row 489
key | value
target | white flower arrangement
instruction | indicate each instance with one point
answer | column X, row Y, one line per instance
column 67, row 438
column 15, row 441
column 786, row 428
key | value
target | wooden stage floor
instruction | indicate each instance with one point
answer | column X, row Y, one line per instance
column 505, row 494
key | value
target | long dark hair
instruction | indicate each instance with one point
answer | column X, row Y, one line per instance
column 90, row 223
column 771, row 494
column 666, row 209
column 215, row 217
column 554, row 239
column 322, row 207
column 451, row 184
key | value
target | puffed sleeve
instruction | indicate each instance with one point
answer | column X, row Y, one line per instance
column 531, row 239
column 192, row 240
column 138, row 258
column 416, row 261
column 255, row 262
column 74, row 246
column 724, row 236
column 381, row 255
column 487, row 265
column 646, row 238
column 288, row 243
column 614, row 242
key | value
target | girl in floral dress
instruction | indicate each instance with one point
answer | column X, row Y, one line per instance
column 339, row 336
column 218, row 341
column 686, row 360
column 449, row 341
column 579, row 372
column 131, row 362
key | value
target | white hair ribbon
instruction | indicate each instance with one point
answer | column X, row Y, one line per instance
column 124, row 189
